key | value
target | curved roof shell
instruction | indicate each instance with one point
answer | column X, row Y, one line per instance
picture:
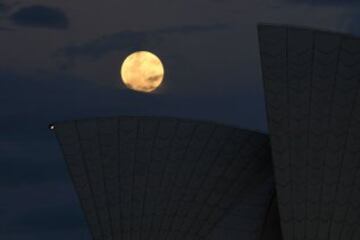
column 166, row 178
column 312, row 85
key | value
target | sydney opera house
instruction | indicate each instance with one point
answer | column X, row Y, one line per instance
column 162, row 178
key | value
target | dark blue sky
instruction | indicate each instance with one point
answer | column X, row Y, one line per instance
column 60, row 60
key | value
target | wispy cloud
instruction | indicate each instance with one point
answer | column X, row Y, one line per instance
column 354, row 26
column 2, row 7
column 7, row 29
column 41, row 17
column 131, row 40
column 324, row 2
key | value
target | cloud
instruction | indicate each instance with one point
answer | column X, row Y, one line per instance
column 2, row 7
column 354, row 26
column 131, row 40
column 324, row 2
column 7, row 6
column 6, row 29
column 40, row 16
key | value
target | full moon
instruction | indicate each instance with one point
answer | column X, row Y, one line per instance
column 142, row 71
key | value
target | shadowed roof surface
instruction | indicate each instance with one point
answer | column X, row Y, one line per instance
column 312, row 84
column 165, row 178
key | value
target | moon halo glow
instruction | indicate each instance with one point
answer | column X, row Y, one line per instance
column 142, row 71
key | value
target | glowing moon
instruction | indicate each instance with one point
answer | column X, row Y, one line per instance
column 142, row 71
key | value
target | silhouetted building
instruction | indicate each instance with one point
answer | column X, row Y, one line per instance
column 164, row 178
column 312, row 84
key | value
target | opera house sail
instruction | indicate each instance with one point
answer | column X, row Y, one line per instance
column 165, row 178
column 312, row 83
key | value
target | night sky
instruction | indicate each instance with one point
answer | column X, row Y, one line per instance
column 60, row 60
